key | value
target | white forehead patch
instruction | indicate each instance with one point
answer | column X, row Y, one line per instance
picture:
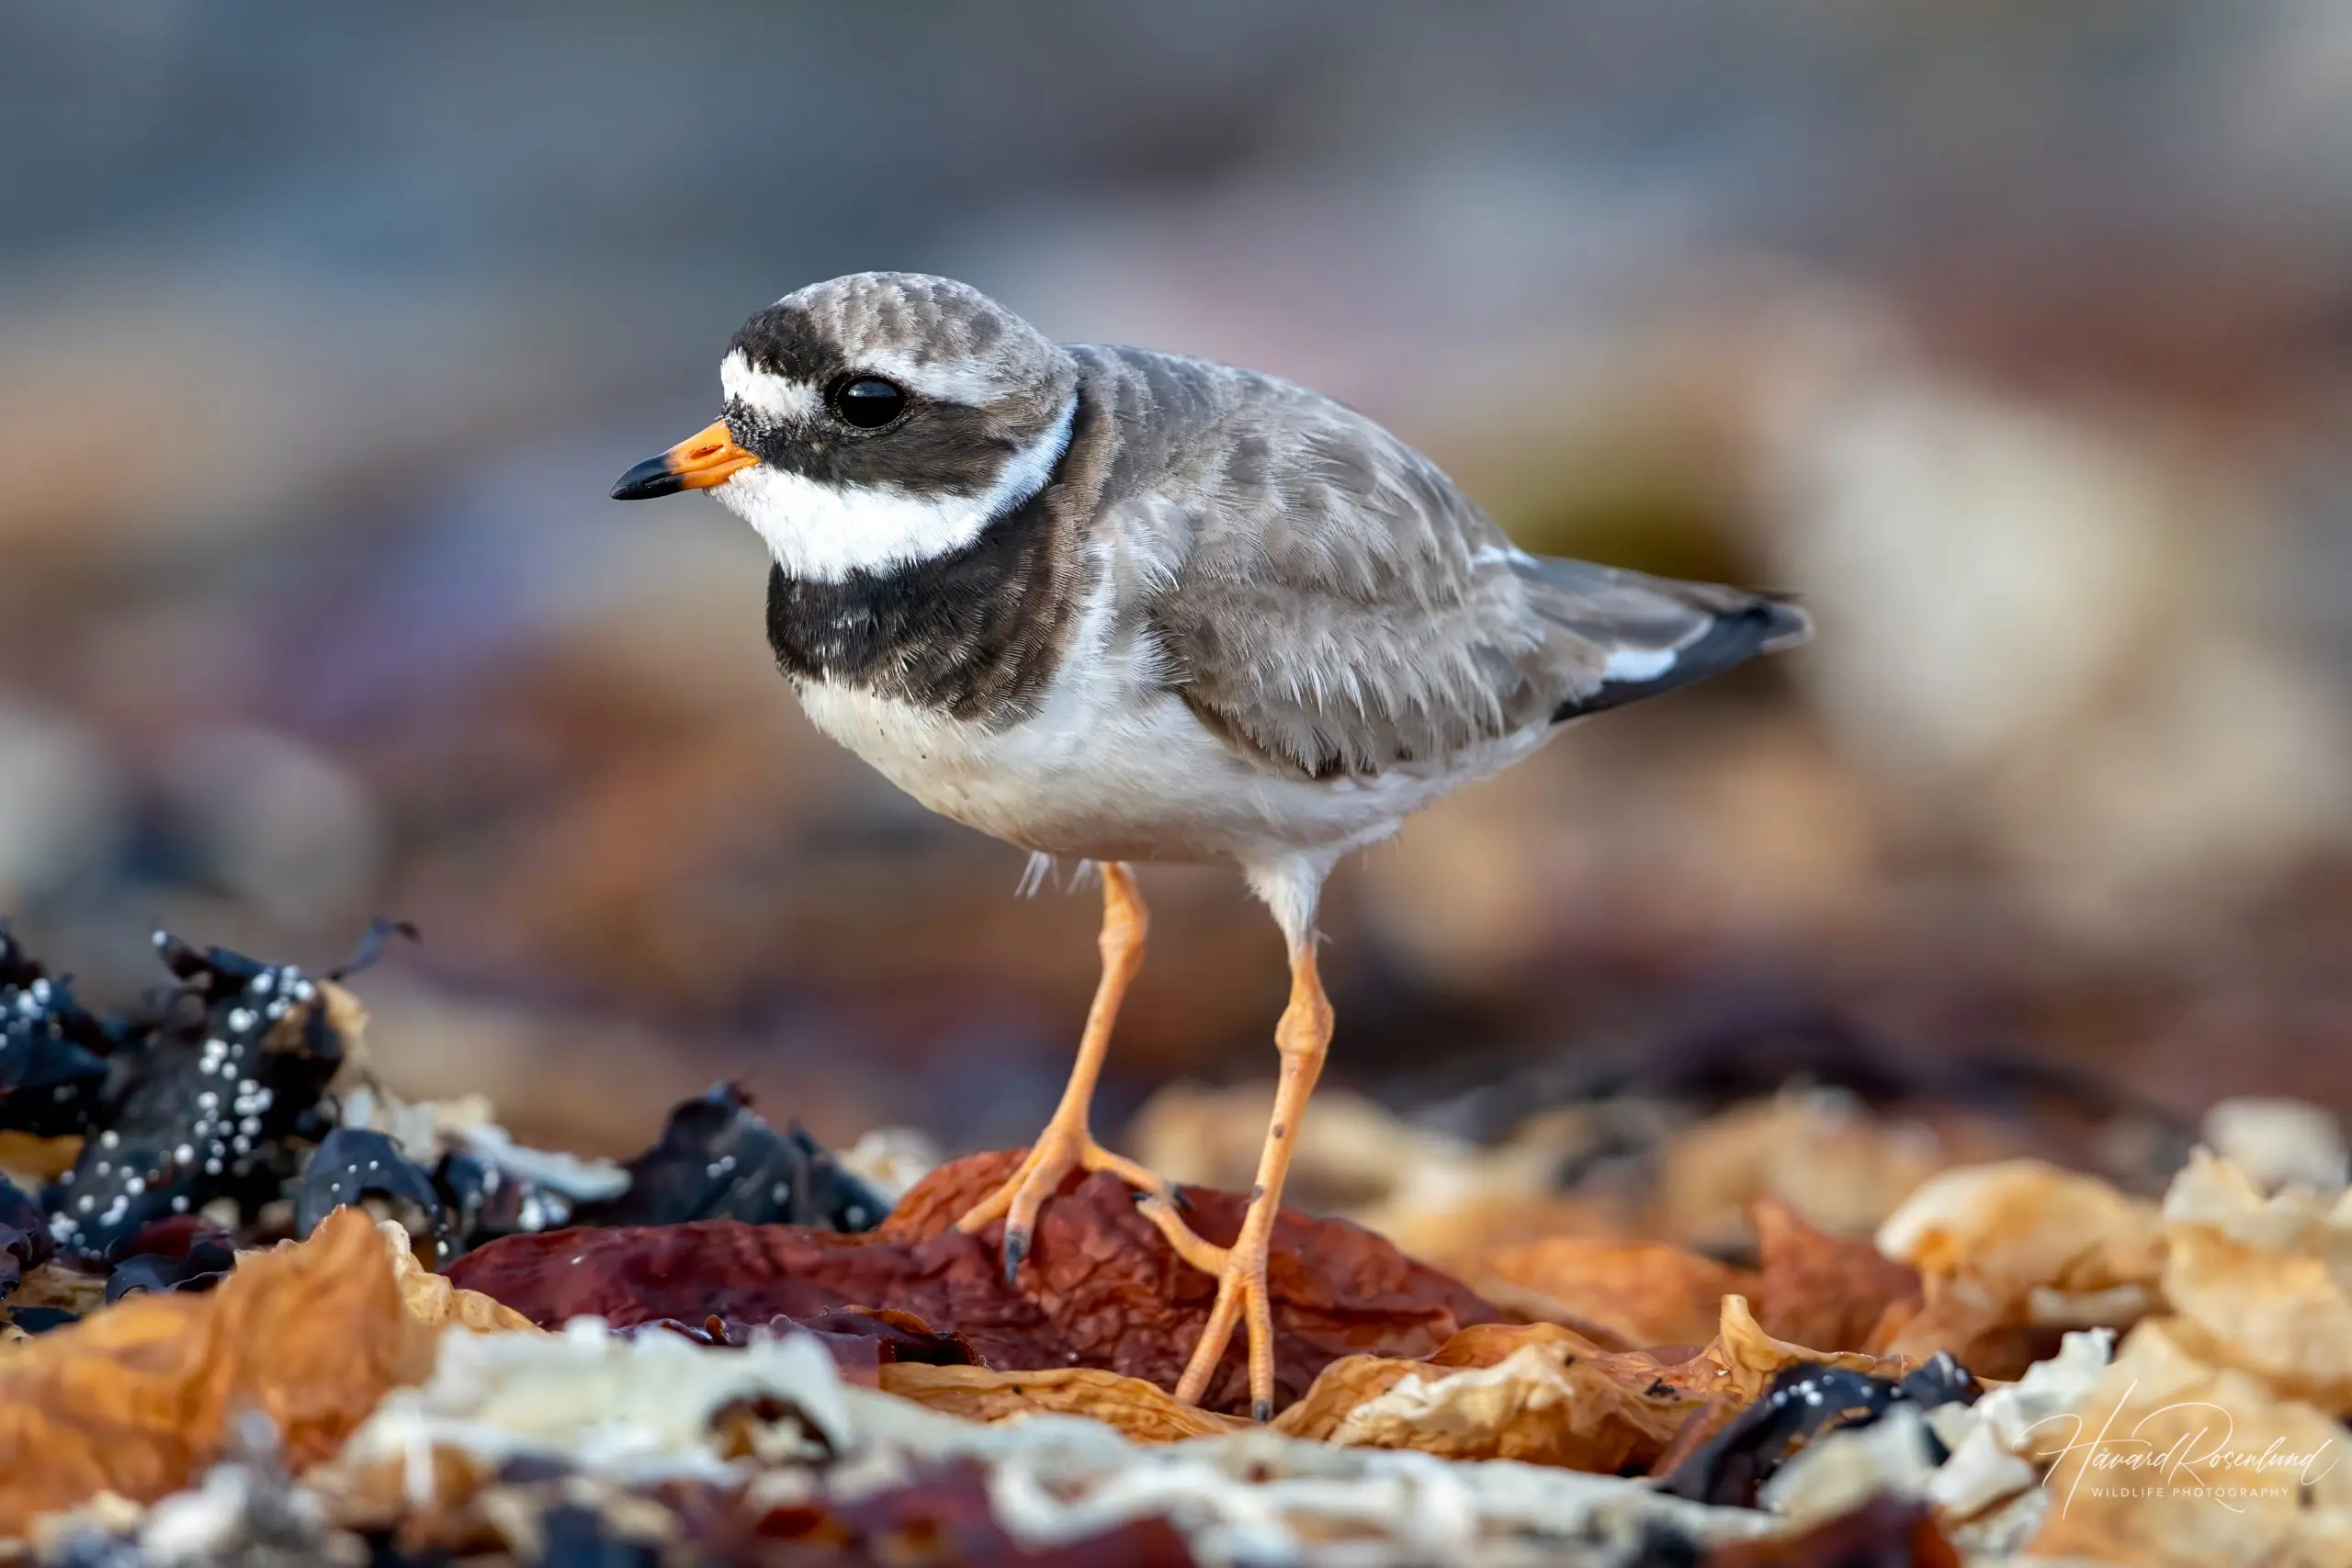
column 777, row 397
column 822, row 533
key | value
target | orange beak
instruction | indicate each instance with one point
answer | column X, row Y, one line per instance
column 707, row 457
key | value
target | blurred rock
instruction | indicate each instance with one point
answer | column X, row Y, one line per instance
column 61, row 805
column 2278, row 1142
column 276, row 823
column 2047, row 623
column 892, row 1159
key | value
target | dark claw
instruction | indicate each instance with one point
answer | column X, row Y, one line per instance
column 1261, row 1411
column 1183, row 1204
column 1016, row 1248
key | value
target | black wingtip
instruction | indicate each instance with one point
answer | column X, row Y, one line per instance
column 1767, row 623
column 1790, row 625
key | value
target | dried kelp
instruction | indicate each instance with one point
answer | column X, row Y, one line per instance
column 1101, row 1289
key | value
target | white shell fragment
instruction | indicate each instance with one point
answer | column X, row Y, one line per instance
column 634, row 1408
column 638, row 1409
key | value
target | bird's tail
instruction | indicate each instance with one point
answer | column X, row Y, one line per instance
column 1634, row 635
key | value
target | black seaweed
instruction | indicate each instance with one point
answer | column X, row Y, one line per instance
column 485, row 1200
column 40, row 1320
column 202, row 1098
column 52, row 1051
column 718, row 1159
column 24, row 1234
column 575, row 1537
column 354, row 1163
column 1801, row 1404
column 216, row 1089
column 168, row 1256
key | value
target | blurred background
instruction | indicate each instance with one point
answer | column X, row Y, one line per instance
column 2017, row 338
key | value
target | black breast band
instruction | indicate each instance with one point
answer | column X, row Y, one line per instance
column 975, row 634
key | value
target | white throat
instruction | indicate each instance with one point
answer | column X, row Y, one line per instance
column 823, row 532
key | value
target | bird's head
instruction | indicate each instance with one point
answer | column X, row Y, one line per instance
column 876, row 421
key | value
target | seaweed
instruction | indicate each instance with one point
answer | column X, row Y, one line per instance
column 718, row 1159
column 1800, row 1404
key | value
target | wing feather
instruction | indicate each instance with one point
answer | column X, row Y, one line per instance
column 1332, row 605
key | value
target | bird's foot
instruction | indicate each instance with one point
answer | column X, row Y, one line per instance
column 1060, row 1149
column 1240, row 1296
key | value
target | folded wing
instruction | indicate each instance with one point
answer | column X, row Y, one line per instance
column 1331, row 604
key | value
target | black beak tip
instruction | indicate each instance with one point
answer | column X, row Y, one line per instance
column 649, row 479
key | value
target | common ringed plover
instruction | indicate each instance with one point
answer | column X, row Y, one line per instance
column 1121, row 605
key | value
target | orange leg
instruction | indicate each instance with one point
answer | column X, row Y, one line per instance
column 1067, row 1143
column 1303, row 1036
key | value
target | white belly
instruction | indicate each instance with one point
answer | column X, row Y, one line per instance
column 1107, row 770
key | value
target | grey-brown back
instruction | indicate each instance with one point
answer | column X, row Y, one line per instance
column 1329, row 603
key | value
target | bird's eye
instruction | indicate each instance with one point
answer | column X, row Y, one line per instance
column 869, row 402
